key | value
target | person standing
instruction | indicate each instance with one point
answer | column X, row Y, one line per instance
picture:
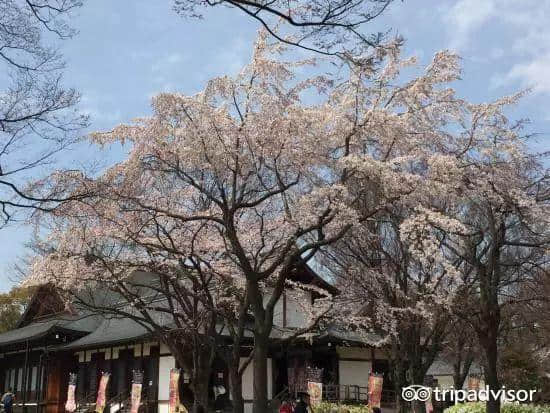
column 7, row 400
column 286, row 407
column 303, row 404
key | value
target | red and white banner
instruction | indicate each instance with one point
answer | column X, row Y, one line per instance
column 375, row 390
column 70, row 406
column 315, row 391
column 101, row 400
column 174, row 403
column 429, row 406
column 473, row 383
column 136, row 397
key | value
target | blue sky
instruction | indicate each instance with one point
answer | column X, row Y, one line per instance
column 129, row 50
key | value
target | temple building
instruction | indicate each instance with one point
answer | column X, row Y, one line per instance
column 53, row 340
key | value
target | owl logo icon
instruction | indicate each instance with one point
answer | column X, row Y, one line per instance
column 416, row 392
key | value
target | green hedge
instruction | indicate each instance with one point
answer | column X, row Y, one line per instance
column 504, row 408
column 340, row 408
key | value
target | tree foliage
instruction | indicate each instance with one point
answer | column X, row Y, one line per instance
column 37, row 114
column 243, row 182
column 12, row 305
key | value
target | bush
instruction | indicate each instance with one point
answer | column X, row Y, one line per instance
column 479, row 407
column 326, row 407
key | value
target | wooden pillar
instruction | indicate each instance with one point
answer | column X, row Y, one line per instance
column 120, row 370
column 93, row 374
column 40, row 381
column 25, row 381
column 3, row 369
column 151, row 375
column 81, row 381
column 57, row 382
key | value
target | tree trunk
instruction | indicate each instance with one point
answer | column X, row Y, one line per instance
column 260, row 374
column 236, row 388
column 491, row 374
column 202, row 368
column 201, row 381
column 399, row 381
column 461, row 371
column 417, row 375
column 488, row 334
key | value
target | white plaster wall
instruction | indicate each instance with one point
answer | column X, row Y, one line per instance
column 278, row 313
column 445, row 381
column 295, row 316
column 165, row 364
column 163, row 407
column 168, row 362
column 294, row 310
column 248, row 380
column 354, row 372
column 248, row 390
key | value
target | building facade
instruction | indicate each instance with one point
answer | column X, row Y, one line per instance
column 51, row 341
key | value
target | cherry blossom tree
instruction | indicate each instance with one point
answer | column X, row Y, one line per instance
column 226, row 182
column 492, row 219
column 405, row 303
column 466, row 206
column 460, row 349
column 245, row 181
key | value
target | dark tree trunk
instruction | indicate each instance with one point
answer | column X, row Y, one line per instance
column 201, row 381
column 260, row 373
column 236, row 388
column 417, row 374
column 491, row 373
column 490, row 326
column 461, row 370
column 198, row 362
column 399, row 381
column 232, row 359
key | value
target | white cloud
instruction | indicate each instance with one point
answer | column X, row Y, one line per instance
column 522, row 26
column 534, row 73
column 465, row 17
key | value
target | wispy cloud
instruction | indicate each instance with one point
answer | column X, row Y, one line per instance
column 465, row 18
column 521, row 26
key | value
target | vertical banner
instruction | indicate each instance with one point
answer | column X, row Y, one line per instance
column 137, row 384
column 101, row 400
column 70, row 406
column 429, row 406
column 174, row 391
column 315, row 391
column 375, row 390
column 473, row 383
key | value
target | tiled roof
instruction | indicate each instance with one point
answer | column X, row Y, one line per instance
column 40, row 329
column 111, row 331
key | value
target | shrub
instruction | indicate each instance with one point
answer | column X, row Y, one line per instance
column 326, row 407
column 479, row 407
